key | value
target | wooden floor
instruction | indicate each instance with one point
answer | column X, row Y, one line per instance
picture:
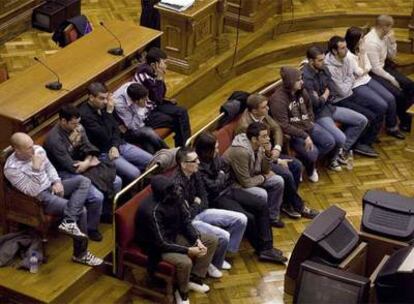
column 249, row 281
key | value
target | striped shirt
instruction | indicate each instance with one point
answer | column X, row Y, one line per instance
column 31, row 182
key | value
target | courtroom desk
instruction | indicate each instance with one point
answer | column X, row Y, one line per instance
column 25, row 102
column 194, row 35
column 253, row 13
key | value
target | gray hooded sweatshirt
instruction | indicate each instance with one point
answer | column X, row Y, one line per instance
column 342, row 75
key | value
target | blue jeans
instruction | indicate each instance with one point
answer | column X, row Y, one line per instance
column 323, row 141
column 381, row 101
column 271, row 192
column 228, row 226
column 95, row 200
column 130, row 162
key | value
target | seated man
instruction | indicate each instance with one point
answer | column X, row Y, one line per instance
column 71, row 153
column 133, row 107
column 321, row 89
column 381, row 47
column 166, row 113
column 292, row 109
column 218, row 181
column 103, row 132
column 166, row 232
column 289, row 168
column 30, row 171
column 250, row 157
column 227, row 226
column 342, row 72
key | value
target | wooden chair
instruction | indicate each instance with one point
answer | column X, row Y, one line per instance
column 19, row 208
column 4, row 74
column 130, row 256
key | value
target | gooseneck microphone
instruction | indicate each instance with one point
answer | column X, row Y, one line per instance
column 118, row 51
column 55, row 85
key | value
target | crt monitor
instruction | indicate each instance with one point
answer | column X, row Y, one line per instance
column 328, row 239
column 395, row 280
column 321, row 284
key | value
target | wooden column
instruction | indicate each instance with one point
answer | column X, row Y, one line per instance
column 193, row 36
column 253, row 13
column 15, row 17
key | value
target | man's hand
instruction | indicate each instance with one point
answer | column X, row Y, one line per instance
column 37, row 161
column 159, row 71
column 81, row 166
column 391, row 36
column 275, row 154
column 110, row 104
column 325, row 94
column 94, row 161
column 284, row 162
column 113, row 153
column 395, row 83
column 195, row 252
column 57, row 189
column 201, row 245
column 308, row 144
column 197, row 200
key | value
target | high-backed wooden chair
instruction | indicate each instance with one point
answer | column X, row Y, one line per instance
column 19, row 208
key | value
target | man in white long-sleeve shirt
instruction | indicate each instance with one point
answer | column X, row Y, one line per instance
column 381, row 47
column 30, row 171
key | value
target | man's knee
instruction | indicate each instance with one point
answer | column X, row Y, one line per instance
column 276, row 181
column 95, row 196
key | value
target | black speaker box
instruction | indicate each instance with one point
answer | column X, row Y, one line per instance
column 48, row 16
column 73, row 7
column 388, row 214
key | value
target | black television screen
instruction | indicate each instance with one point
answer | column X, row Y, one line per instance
column 319, row 284
column 395, row 280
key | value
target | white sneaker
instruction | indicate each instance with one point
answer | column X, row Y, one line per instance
column 213, row 272
column 203, row 288
column 179, row 300
column 88, row 259
column 314, row 178
column 71, row 229
column 226, row 266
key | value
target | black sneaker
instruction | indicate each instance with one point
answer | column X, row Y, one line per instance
column 342, row 157
column 396, row 133
column 365, row 150
column 277, row 223
column 271, row 255
column 290, row 212
column 309, row 213
column 95, row 235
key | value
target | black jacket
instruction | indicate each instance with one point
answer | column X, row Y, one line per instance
column 189, row 189
column 102, row 130
column 316, row 82
column 216, row 177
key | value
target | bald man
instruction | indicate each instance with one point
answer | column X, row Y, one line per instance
column 381, row 47
column 30, row 171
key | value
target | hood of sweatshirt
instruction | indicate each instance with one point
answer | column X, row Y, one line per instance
column 289, row 76
column 330, row 59
column 161, row 186
column 241, row 140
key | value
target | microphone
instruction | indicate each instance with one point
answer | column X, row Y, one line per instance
column 55, row 85
column 118, row 51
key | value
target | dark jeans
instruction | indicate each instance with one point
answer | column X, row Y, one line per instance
column 258, row 230
column 168, row 115
column 290, row 194
column 357, row 103
column 404, row 96
column 323, row 141
column 147, row 139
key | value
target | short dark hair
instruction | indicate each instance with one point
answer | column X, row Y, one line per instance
column 182, row 153
column 136, row 91
column 254, row 100
column 333, row 43
column 254, row 129
column 352, row 37
column 68, row 112
column 205, row 145
column 155, row 55
column 314, row 51
column 95, row 88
